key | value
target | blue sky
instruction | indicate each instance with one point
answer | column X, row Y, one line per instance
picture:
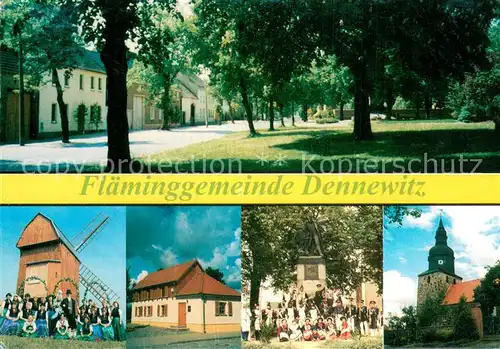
column 162, row 236
column 104, row 256
column 473, row 234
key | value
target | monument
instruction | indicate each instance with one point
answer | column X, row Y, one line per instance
column 311, row 267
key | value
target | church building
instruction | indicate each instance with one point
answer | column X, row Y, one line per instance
column 440, row 276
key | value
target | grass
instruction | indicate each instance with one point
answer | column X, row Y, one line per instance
column 13, row 342
column 332, row 149
column 363, row 343
column 476, row 344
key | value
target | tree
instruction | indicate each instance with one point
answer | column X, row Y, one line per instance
column 270, row 250
column 396, row 214
column 130, row 285
column 108, row 25
column 219, row 24
column 488, row 292
column 49, row 36
column 464, row 325
column 431, row 311
column 215, row 273
column 445, row 39
column 164, row 48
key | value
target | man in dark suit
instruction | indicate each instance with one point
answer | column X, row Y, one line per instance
column 68, row 306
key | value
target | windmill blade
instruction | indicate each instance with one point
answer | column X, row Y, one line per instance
column 95, row 286
column 92, row 234
column 84, row 232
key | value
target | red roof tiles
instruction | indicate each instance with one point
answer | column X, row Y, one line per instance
column 202, row 283
column 456, row 291
column 165, row 276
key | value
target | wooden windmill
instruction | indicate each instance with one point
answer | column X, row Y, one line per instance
column 48, row 260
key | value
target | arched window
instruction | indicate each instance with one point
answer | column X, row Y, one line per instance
column 428, row 279
column 447, row 279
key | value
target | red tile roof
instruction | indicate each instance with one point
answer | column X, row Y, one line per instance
column 165, row 276
column 202, row 283
column 456, row 291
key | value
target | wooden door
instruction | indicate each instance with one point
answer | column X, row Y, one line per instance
column 12, row 127
column 182, row 314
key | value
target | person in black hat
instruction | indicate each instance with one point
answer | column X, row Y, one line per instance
column 68, row 306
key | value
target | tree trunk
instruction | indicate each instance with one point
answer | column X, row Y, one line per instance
column 282, row 116
column 166, row 104
column 427, row 106
column 362, row 126
column 62, row 107
column 496, row 120
column 341, row 116
column 271, row 114
column 114, row 57
column 304, row 112
column 231, row 116
column 248, row 107
column 255, row 283
column 293, row 114
column 390, row 100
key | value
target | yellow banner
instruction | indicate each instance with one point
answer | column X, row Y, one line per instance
column 250, row 189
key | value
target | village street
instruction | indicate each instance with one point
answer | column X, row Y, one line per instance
column 42, row 156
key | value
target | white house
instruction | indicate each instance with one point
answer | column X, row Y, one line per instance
column 184, row 296
column 87, row 85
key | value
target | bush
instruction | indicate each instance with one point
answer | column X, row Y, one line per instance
column 429, row 335
column 96, row 115
column 327, row 121
column 444, row 335
column 80, row 114
column 267, row 332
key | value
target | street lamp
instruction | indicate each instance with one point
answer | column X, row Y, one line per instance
column 17, row 32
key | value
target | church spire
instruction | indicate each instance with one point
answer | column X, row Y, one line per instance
column 441, row 235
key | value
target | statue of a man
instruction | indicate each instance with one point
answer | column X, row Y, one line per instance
column 309, row 241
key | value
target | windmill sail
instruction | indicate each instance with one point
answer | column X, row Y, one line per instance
column 95, row 286
column 91, row 231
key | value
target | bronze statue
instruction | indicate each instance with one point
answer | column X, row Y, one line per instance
column 309, row 239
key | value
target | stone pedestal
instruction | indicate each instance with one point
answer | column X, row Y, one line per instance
column 311, row 271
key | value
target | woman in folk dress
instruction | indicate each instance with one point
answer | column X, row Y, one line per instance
column 107, row 329
column 117, row 322
column 296, row 334
column 331, row 330
column 42, row 320
column 86, row 330
column 345, row 332
column 10, row 325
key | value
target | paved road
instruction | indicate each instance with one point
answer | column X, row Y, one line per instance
column 91, row 150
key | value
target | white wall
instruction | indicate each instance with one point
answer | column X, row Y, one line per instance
column 72, row 96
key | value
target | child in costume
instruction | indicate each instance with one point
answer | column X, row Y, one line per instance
column 284, row 331
column 29, row 328
column 331, row 330
column 320, row 329
column 345, row 332
column 296, row 332
column 62, row 328
column 308, row 331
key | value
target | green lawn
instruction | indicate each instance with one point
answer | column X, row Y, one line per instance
column 396, row 145
column 13, row 342
column 364, row 343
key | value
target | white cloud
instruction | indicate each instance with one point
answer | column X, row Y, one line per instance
column 402, row 260
column 425, row 221
column 167, row 257
column 237, row 262
column 139, row 277
column 399, row 291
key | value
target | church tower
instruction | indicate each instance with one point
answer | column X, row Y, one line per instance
column 441, row 272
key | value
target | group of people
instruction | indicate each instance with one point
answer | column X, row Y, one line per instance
column 326, row 315
column 60, row 317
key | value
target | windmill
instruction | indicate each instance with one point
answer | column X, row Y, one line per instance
column 49, row 260
column 88, row 279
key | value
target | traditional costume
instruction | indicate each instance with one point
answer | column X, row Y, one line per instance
column 345, row 333
column 308, row 331
column 10, row 324
column 86, row 331
column 68, row 306
column 107, row 330
column 41, row 321
column 62, row 329
column 284, row 332
column 320, row 329
column 296, row 332
column 29, row 329
column 373, row 318
column 116, row 322
column 331, row 330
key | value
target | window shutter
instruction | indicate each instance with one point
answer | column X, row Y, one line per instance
column 217, row 308
column 158, row 311
column 230, row 307
column 166, row 309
